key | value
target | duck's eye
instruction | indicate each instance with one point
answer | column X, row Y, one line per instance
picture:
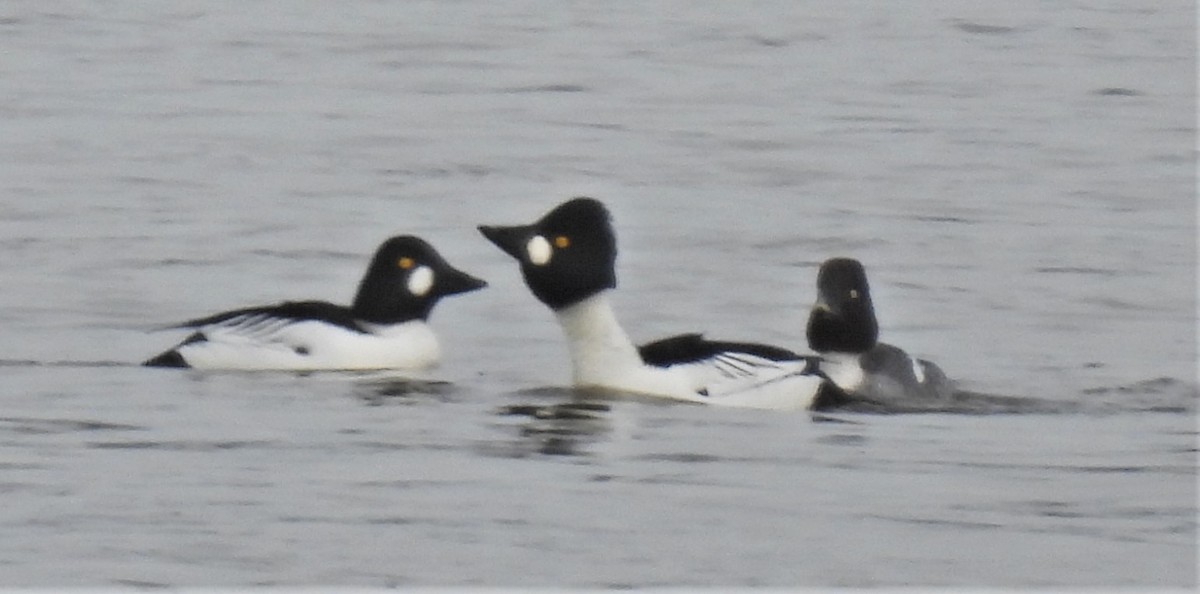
column 405, row 263
column 854, row 293
column 562, row 241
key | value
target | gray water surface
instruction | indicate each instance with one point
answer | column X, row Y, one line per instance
column 1019, row 180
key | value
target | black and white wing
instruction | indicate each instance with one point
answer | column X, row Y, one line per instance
column 273, row 336
column 255, row 322
column 743, row 375
column 709, row 362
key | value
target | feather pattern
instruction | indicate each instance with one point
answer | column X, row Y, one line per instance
column 385, row 327
column 567, row 259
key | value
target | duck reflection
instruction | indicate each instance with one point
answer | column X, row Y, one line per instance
column 402, row 390
column 575, row 420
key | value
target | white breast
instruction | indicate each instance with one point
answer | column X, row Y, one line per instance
column 844, row 369
column 603, row 356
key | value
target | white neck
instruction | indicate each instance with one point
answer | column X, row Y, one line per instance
column 845, row 369
column 601, row 352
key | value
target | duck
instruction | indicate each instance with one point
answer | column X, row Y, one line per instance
column 568, row 261
column 384, row 328
column 843, row 331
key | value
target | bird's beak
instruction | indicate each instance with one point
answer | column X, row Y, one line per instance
column 511, row 239
column 456, row 281
column 822, row 306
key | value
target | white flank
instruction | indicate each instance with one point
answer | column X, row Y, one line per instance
column 313, row 345
column 781, row 389
column 918, row 369
column 603, row 356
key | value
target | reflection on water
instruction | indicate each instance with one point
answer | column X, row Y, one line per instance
column 1164, row 394
column 178, row 160
column 24, row 425
column 567, row 425
column 402, row 390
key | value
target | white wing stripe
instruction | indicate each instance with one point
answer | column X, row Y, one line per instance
column 728, row 388
column 737, row 364
column 251, row 327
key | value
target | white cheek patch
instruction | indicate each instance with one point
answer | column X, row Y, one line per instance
column 918, row 370
column 420, row 281
column 538, row 250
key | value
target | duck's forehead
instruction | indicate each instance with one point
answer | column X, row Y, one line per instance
column 418, row 249
column 580, row 213
column 419, row 252
column 843, row 274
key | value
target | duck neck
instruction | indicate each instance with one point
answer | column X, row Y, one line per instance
column 600, row 349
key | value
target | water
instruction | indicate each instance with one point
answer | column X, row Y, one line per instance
column 1019, row 181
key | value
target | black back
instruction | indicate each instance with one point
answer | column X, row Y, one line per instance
column 383, row 295
column 690, row 348
column 843, row 318
column 288, row 310
column 582, row 257
column 262, row 316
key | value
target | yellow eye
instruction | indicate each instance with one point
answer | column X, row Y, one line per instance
column 854, row 293
column 405, row 263
column 562, row 241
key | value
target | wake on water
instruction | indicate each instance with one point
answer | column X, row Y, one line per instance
column 1158, row 395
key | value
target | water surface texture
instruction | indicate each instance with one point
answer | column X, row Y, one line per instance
column 1018, row 178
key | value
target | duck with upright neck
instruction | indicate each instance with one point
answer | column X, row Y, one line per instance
column 568, row 260
column 843, row 331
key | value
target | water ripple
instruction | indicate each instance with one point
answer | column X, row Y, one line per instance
column 183, row 445
column 56, row 426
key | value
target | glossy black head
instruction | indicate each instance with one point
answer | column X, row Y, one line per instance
column 405, row 280
column 566, row 256
column 843, row 318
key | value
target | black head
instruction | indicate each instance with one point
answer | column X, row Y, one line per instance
column 405, row 280
column 843, row 318
column 566, row 256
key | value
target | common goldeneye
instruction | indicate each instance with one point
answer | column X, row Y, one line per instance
column 385, row 327
column 843, row 331
column 568, row 261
